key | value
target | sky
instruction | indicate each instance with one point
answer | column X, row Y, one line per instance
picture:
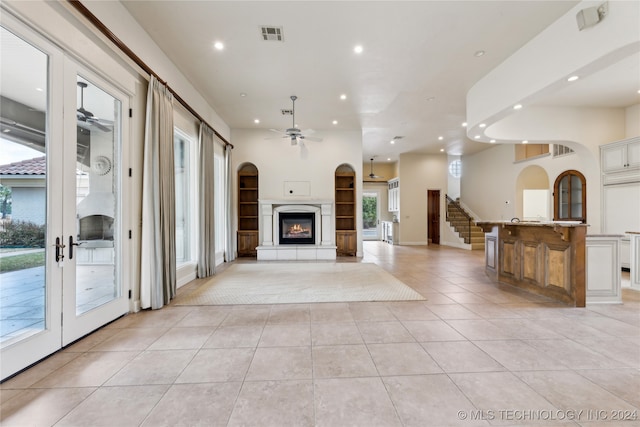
column 11, row 152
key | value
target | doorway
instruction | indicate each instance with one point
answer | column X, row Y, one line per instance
column 61, row 236
column 433, row 216
column 371, row 215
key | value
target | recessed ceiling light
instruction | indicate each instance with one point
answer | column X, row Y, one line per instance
column 388, row 159
column 638, row 90
column 335, row 122
column 243, row 94
column 343, row 96
column 358, row 49
column 39, row 89
column 483, row 125
column 431, row 98
column 256, row 121
column 525, row 142
column 493, row 141
column 477, row 137
column 573, row 78
column 218, row 45
column 6, row 130
column 464, row 125
column 517, row 106
column 478, row 53
column 441, row 150
column 393, row 141
column 440, row 138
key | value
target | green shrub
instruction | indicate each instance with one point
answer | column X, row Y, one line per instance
column 22, row 234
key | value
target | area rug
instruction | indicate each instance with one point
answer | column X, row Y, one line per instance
column 296, row 282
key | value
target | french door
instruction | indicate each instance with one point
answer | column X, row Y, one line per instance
column 61, row 238
column 371, row 215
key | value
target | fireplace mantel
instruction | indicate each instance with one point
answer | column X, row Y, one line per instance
column 324, row 247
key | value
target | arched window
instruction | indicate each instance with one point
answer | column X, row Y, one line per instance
column 570, row 197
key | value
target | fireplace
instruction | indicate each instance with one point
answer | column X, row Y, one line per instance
column 297, row 228
column 317, row 217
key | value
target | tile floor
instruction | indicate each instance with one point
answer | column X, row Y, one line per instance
column 475, row 353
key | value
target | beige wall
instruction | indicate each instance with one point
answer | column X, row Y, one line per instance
column 419, row 173
column 385, row 170
column 312, row 163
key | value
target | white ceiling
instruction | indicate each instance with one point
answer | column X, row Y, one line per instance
column 411, row 79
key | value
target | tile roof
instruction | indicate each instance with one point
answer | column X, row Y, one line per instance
column 37, row 166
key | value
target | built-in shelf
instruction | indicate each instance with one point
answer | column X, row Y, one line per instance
column 247, row 210
column 345, row 193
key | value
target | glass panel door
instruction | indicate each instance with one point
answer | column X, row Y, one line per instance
column 370, row 215
column 30, row 221
column 60, row 199
column 92, row 221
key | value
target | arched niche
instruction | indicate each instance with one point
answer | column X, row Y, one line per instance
column 345, row 205
column 248, row 217
column 533, row 198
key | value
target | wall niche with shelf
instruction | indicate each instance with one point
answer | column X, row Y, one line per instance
column 345, row 202
column 247, row 210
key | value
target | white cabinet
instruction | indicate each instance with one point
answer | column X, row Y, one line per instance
column 387, row 231
column 621, row 156
column 394, row 194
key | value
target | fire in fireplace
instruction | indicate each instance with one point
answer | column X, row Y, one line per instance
column 297, row 228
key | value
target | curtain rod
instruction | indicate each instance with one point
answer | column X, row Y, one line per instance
column 135, row 58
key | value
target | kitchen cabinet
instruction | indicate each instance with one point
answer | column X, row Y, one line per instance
column 394, row 194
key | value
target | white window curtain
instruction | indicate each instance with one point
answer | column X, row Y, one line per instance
column 206, row 205
column 158, row 252
column 229, row 250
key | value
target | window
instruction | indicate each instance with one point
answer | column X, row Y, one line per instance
column 184, row 158
column 561, row 150
column 455, row 168
column 570, row 197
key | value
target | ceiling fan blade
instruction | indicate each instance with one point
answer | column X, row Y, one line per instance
column 313, row 138
column 277, row 131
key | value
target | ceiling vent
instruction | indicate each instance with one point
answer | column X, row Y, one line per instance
column 270, row 33
column 286, row 112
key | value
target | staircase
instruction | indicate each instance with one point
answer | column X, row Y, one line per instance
column 464, row 225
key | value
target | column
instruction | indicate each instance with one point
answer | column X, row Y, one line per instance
column 267, row 224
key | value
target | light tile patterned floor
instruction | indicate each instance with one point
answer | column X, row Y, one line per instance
column 475, row 353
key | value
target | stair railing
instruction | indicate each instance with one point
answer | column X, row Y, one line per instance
column 456, row 207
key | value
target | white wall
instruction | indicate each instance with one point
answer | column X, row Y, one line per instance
column 419, row 173
column 314, row 163
column 564, row 51
column 486, row 188
column 632, row 121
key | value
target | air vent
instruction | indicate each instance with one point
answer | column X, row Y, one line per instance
column 270, row 33
column 287, row 112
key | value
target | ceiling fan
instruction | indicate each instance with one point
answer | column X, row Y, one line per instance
column 293, row 132
column 372, row 175
column 85, row 116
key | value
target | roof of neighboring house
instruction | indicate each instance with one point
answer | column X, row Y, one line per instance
column 36, row 166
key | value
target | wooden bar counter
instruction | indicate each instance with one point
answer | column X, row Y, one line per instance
column 545, row 258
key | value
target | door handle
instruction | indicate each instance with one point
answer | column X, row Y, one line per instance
column 71, row 245
column 59, row 250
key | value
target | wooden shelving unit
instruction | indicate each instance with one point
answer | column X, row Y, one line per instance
column 247, row 211
column 346, row 236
